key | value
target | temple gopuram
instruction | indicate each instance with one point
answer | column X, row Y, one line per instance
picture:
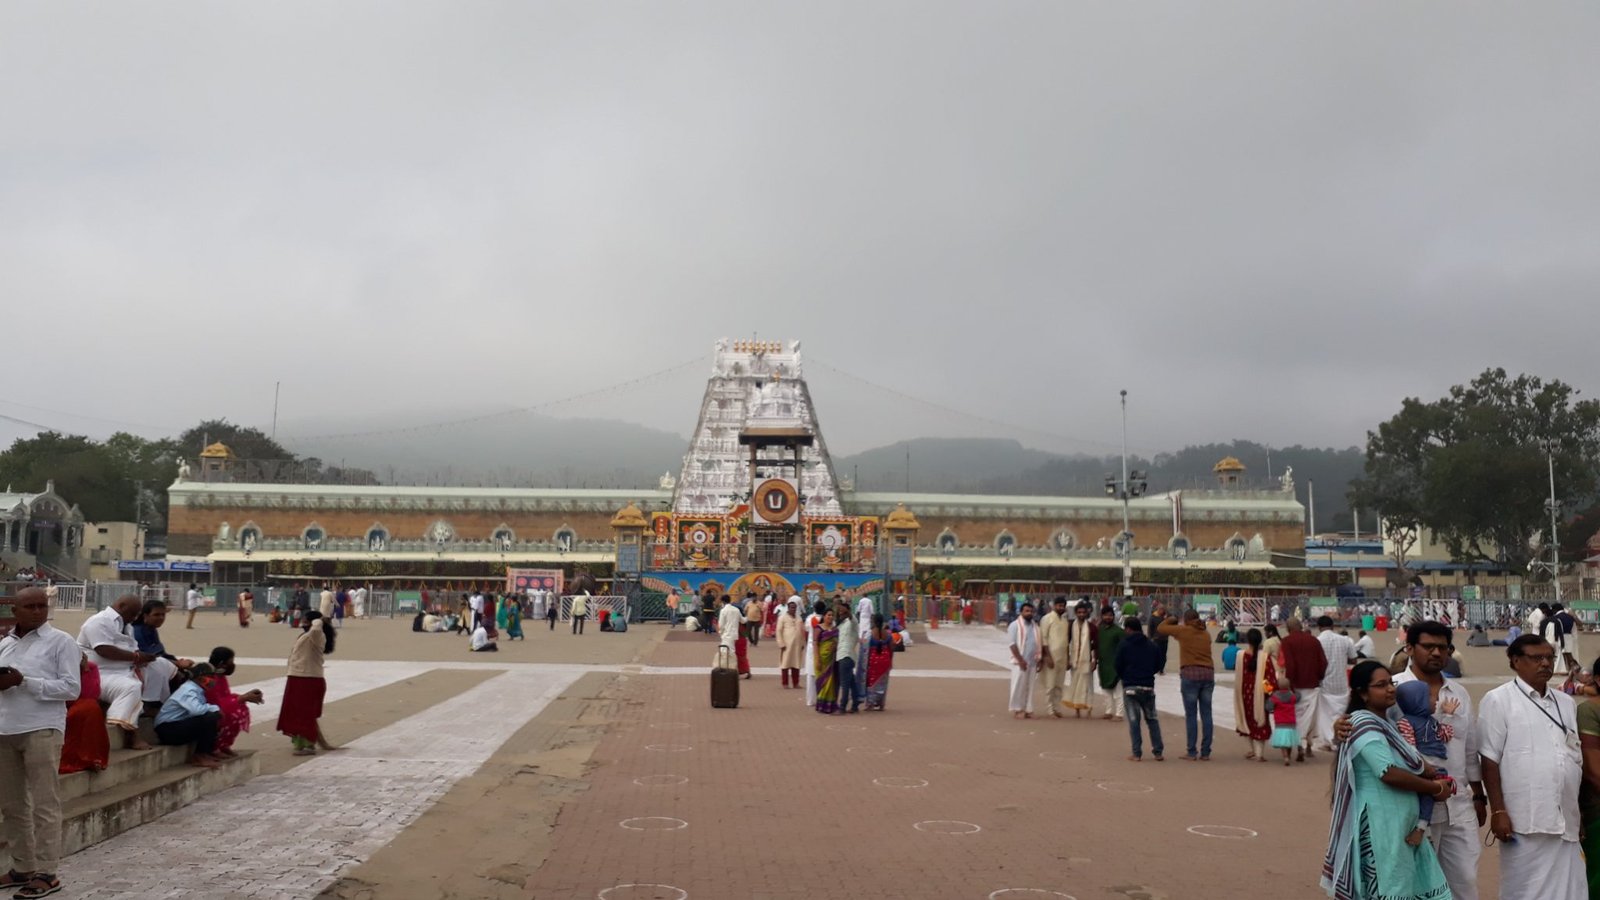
column 756, row 505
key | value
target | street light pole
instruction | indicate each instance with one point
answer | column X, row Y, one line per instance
column 1131, row 484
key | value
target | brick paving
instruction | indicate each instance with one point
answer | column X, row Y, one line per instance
column 767, row 801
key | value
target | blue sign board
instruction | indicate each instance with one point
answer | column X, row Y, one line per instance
column 161, row 565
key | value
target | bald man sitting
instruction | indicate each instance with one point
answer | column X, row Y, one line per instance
column 108, row 640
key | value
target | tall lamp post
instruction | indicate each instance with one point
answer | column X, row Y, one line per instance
column 1132, row 484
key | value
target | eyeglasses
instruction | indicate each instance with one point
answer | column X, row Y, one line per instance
column 1540, row 658
column 1380, row 684
column 1433, row 648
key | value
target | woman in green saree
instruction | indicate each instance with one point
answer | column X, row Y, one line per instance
column 827, row 673
column 1377, row 780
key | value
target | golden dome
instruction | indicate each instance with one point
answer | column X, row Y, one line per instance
column 629, row 516
column 1228, row 464
column 901, row 518
column 219, row 450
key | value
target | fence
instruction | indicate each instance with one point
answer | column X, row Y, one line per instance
column 616, row 604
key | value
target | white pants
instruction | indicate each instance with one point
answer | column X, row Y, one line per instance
column 1458, row 847
column 358, row 608
column 811, row 674
column 1305, row 713
column 158, row 680
column 1022, row 683
column 1542, row 867
column 120, row 691
column 1113, row 701
column 1329, row 707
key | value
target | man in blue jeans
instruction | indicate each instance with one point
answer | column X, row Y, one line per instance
column 1197, row 676
column 1138, row 658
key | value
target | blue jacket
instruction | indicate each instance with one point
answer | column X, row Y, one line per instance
column 1138, row 660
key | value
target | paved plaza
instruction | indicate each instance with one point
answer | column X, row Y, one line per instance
column 594, row 767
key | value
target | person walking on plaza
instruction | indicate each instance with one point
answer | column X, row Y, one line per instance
column 769, row 616
column 730, row 623
column 880, row 662
column 191, row 602
column 104, row 637
column 244, row 606
column 791, row 643
column 580, row 611
column 39, row 675
column 1304, row 664
column 513, row 615
column 1138, row 659
column 1249, row 696
column 1027, row 654
column 851, row 688
column 326, row 601
column 1333, row 692
column 813, row 625
column 551, row 602
column 1054, row 659
column 1197, row 677
column 1532, row 765
column 306, row 687
column 1108, row 639
column 358, row 602
column 1082, row 638
column 672, row 607
column 754, row 615
column 1377, row 779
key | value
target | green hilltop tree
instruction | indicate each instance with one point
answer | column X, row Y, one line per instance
column 1471, row 466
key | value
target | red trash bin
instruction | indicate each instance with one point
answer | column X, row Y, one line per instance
column 1383, row 623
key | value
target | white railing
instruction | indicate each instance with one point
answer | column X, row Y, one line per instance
column 610, row 601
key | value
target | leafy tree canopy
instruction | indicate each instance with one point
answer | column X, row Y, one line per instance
column 1471, row 466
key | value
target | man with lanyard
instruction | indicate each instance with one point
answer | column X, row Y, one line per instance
column 1534, row 796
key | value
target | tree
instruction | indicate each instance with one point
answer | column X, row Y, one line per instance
column 246, row 443
column 1471, row 467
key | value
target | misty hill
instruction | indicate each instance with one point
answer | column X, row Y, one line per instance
column 958, row 465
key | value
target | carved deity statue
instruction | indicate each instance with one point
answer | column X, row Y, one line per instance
column 1287, row 481
column 667, row 482
column 183, row 470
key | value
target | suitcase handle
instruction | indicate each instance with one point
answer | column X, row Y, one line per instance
column 723, row 651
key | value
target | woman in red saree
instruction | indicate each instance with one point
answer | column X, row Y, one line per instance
column 880, row 660
column 86, row 747
column 235, row 714
column 302, row 695
column 1249, row 700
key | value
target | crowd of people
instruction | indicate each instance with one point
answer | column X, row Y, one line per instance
column 60, row 696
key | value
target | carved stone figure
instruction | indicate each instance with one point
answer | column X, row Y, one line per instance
column 183, row 470
column 1287, row 481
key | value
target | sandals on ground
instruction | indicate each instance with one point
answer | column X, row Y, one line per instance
column 40, row 885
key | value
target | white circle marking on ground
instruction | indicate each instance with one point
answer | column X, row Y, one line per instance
column 1032, row 892
column 1004, row 731
column 900, row 781
column 842, row 727
column 669, row 725
column 1124, row 787
column 661, row 780
column 633, row 892
column 1059, row 756
column 947, row 826
column 639, row 823
column 1227, row 832
column 669, row 748
column 879, row 750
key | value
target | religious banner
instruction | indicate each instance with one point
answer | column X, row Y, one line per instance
column 522, row 581
column 776, row 501
column 867, row 535
column 810, row 586
column 699, row 541
column 661, row 550
column 830, row 541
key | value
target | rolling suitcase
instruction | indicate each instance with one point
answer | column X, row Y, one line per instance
column 724, row 681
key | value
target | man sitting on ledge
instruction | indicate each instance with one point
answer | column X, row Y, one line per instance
column 186, row 718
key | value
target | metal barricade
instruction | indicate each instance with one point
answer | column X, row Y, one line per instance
column 70, row 596
column 613, row 602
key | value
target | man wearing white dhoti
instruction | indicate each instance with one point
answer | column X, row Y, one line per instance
column 1026, row 655
column 358, row 602
column 1082, row 660
column 1054, row 658
column 813, row 622
column 1333, row 695
column 106, row 638
column 1534, row 796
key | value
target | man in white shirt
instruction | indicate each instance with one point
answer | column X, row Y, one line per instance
column 1533, row 731
column 1366, row 648
column 39, row 676
column 191, row 602
column 1333, row 695
column 849, row 647
column 863, row 640
column 325, row 602
column 812, row 623
column 1026, row 655
column 1454, row 831
column 358, row 602
column 105, row 637
column 730, row 630
column 481, row 642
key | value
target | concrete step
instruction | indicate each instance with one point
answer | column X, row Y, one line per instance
column 141, row 786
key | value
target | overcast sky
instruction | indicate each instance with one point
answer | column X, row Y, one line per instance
column 1268, row 220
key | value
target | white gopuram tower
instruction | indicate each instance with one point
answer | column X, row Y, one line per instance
column 754, row 385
